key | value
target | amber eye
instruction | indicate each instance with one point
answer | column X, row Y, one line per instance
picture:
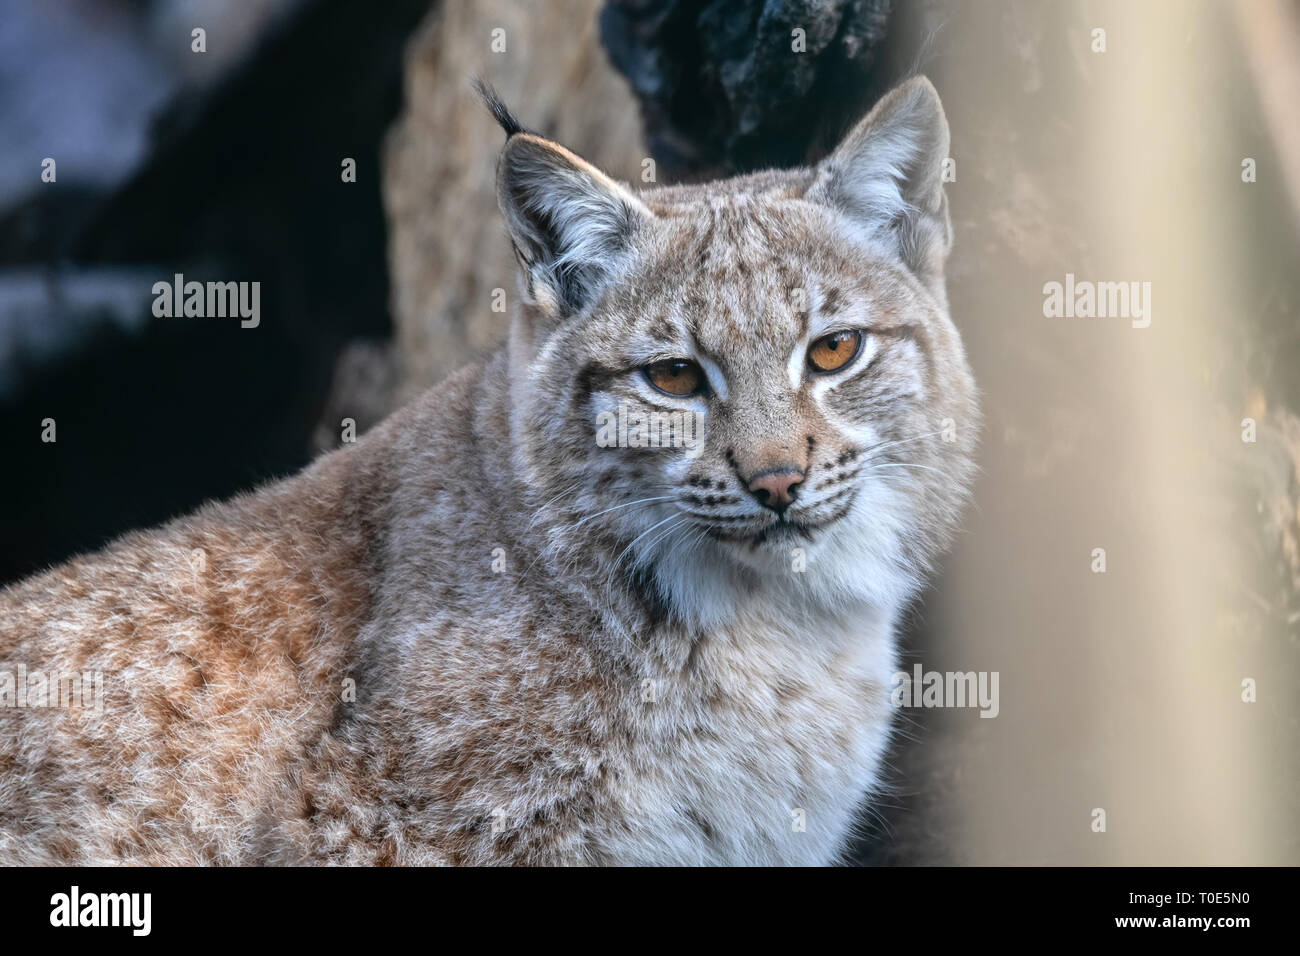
column 832, row 352
column 675, row 376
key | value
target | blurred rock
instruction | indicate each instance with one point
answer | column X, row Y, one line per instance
column 736, row 85
column 447, row 246
column 364, row 385
column 78, row 83
column 232, row 29
column 44, row 312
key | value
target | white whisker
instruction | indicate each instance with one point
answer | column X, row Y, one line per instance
column 901, row 441
column 626, row 504
column 642, row 535
column 909, row 464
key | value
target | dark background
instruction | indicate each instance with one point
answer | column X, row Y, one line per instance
column 233, row 174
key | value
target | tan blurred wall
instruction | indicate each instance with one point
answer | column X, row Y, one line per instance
column 1121, row 690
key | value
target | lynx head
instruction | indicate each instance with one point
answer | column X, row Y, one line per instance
column 747, row 386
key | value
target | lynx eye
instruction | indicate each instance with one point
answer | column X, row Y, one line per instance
column 678, row 377
column 830, row 353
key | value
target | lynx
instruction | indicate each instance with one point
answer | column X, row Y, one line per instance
column 478, row 635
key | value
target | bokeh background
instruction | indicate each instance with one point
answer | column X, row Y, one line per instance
column 1119, row 690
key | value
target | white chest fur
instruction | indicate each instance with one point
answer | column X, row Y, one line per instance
column 761, row 750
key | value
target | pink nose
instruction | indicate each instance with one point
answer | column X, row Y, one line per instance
column 776, row 488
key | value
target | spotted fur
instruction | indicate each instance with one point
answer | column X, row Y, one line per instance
column 477, row 636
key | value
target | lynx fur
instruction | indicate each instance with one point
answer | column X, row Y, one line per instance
column 481, row 636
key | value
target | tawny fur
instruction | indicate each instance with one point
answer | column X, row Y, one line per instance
column 562, row 653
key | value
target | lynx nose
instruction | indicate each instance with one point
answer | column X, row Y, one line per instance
column 776, row 488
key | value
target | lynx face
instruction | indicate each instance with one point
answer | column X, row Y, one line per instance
column 742, row 376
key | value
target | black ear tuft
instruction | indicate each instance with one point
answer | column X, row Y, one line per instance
column 492, row 100
column 572, row 226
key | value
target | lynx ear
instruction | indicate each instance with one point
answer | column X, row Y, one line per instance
column 571, row 225
column 887, row 174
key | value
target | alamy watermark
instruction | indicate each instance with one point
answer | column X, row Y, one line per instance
column 75, row 908
column 209, row 300
column 37, row 688
column 926, row 689
column 631, row 427
column 1085, row 299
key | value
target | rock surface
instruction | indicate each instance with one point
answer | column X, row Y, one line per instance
column 447, row 248
column 730, row 86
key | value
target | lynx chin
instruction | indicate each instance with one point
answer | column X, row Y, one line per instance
column 480, row 636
